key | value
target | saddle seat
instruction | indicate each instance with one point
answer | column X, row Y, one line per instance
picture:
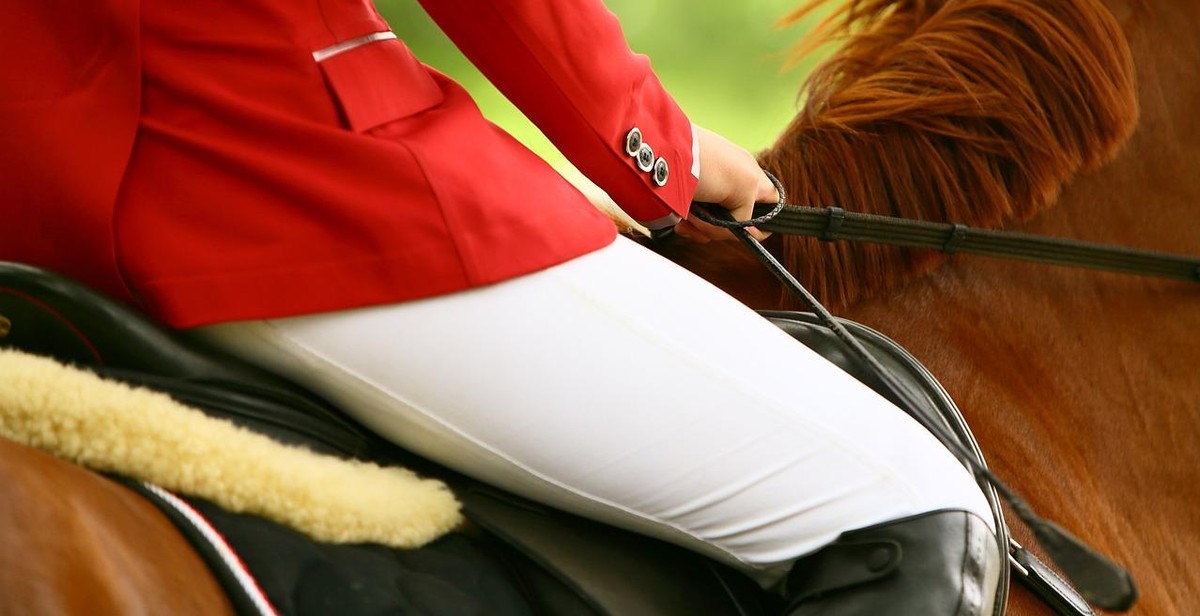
column 561, row 563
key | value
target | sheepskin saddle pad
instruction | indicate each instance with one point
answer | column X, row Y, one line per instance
column 146, row 435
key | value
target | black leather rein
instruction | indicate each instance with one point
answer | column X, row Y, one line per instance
column 833, row 223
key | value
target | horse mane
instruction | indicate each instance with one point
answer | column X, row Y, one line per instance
column 970, row 111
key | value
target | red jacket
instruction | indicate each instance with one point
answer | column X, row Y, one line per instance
column 239, row 159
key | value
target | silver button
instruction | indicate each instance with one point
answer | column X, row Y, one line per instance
column 633, row 141
column 661, row 171
column 645, row 158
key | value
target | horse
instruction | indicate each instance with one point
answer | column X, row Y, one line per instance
column 1043, row 361
column 1080, row 385
column 74, row 543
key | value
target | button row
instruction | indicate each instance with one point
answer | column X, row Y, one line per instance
column 636, row 147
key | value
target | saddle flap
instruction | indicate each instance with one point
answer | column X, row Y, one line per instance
column 599, row 563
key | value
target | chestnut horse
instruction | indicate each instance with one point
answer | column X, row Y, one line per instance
column 1082, row 387
column 75, row 543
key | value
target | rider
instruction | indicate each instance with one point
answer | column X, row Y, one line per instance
column 285, row 178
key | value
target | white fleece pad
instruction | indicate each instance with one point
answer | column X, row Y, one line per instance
column 146, row 435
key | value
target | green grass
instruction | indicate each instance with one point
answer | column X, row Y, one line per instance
column 722, row 61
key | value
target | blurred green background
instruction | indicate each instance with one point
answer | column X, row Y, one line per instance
column 722, row 61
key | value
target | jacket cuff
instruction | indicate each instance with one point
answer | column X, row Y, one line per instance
column 659, row 153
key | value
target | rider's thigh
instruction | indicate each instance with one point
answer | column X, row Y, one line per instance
column 623, row 388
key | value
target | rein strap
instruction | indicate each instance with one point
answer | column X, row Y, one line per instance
column 833, row 223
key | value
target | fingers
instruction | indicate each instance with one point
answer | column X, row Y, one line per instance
column 757, row 234
column 746, row 212
column 701, row 232
column 767, row 193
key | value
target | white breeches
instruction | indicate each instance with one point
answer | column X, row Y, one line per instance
column 623, row 388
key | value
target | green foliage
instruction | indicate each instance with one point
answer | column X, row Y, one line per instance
column 722, row 61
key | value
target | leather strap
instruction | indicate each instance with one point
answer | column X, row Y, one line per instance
column 1032, row 573
column 832, row 224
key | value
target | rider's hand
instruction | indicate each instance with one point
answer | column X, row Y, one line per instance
column 731, row 178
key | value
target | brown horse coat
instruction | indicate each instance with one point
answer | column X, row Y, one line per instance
column 1081, row 386
column 74, row 543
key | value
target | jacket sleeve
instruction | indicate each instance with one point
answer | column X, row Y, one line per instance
column 567, row 66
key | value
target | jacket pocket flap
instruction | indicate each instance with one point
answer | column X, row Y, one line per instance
column 379, row 82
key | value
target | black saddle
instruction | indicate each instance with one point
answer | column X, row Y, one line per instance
column 559, row 563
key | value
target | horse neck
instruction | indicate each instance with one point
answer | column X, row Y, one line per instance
column 1149, row 195
column 1066, row 374
column 938, row 157
column 1080, row 385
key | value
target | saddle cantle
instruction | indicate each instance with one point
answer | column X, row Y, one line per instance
column 560, row 563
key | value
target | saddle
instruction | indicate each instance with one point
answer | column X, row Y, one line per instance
column 554, row 562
